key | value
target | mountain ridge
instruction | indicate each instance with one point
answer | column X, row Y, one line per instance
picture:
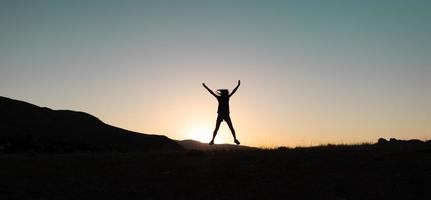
column 27, row 126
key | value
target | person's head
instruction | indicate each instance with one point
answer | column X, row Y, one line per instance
column 223, row 92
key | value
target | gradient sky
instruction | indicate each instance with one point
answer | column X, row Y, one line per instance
column 312, row 72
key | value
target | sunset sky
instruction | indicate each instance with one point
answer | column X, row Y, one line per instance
column 312, row 72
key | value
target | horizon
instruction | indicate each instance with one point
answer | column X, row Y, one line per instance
column 311, row 73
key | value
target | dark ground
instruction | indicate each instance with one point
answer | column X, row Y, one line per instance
column 330, row 172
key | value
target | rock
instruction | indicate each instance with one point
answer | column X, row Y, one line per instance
column 382, row 141
column 393, row 140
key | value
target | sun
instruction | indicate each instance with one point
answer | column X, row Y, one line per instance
column 201, row 134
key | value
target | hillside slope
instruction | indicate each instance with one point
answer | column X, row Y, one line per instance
column 25, row 126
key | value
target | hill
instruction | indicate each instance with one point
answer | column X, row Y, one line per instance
column 399, row 170
column 195, row 145
column 24, row 126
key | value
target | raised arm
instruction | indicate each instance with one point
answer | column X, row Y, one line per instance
column 236, row 88
column 209, row 90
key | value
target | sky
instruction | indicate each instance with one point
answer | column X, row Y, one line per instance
column 312, row 72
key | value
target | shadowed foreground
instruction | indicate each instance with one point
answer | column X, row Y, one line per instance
column 391, row 171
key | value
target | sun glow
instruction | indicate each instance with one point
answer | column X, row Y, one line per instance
column 201, row 134
column 204, row 133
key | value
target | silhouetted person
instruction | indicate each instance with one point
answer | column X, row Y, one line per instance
column 223, row 110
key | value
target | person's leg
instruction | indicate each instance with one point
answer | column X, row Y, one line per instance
column 232, row 130
column 218, row 122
